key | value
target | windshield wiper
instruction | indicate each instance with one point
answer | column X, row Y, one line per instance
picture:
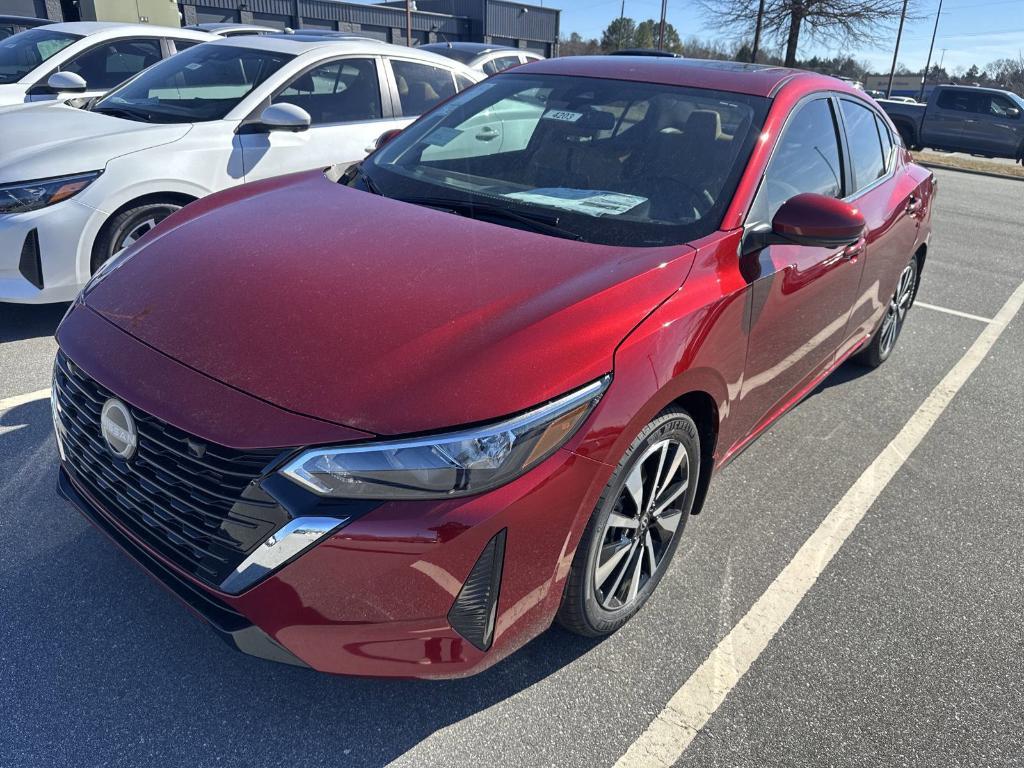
column 538, row 222
column 126, row 114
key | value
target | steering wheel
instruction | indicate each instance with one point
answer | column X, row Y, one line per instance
column 686, row 201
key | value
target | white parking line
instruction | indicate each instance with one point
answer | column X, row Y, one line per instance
column 13, row 402
column 690, row 708
column 956, row 312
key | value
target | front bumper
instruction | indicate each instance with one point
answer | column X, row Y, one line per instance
column 41, row 259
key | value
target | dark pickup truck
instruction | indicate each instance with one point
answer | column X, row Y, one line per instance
column 979, row 121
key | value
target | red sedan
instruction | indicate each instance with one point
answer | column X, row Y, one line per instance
column 396, row 419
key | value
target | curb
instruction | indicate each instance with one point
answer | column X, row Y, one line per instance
column 991, row 174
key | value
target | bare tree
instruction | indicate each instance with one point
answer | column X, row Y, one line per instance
column 846, row 21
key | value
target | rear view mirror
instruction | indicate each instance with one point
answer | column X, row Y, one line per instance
column 66, row 82
column 817, row 220
column 285, row 117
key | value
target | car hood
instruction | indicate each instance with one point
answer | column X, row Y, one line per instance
column 53, row 139
column 376, row 314
column 12, row 93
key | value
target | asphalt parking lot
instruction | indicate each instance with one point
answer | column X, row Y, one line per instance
column 907, row 649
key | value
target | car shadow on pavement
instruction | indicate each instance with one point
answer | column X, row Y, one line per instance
column 103, row 666
column 29, row 321
column 847, row 372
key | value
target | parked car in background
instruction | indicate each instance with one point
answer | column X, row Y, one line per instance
column 903, row 99
column 232, row 29
column 957, row 118
column 89, row 57
column 12, row 25
column 655, row 52
column 483, row 57
column 79, row 184
column 398, row 420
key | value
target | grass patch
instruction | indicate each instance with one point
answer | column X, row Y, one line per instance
column 968, row 163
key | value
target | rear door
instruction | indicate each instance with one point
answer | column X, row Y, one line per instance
column 801, row 296
column 946, row 118
column 348, row 111
column 886, row 194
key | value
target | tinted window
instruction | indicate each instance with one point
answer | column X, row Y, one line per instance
column 108, row 65
column 421, row 86
column 887, row 142
column 806, row 159
column 865, row 147
column 6, row 31
column 463, row 82
column 998, row 106
column 23, row 52
column 337, row 92
column 500, row 64
column 613, row 161
column 961, row 101
column 203, row 83
column 181, row 45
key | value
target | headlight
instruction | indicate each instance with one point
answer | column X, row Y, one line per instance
column 32, row 195
column 453, row 464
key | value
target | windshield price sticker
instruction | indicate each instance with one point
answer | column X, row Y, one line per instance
column 561, row 114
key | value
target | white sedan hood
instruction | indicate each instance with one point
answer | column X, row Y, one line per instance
column 12, row 93
column 53, row 139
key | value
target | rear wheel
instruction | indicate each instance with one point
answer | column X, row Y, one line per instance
column 635, row 528
column 883, row 342
column 127, row 227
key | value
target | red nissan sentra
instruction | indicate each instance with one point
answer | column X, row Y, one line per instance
column 396, row 419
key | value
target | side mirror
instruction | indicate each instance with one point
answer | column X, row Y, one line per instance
column 66, row 82
column 817, row 220
column 1013, row 112
column 285, row 117
column 385, row 137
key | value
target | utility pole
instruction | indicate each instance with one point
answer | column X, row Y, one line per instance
column 899, row 34
column 757, row 32
column 928, row 63
column 408, row 21
column 661, row 26
column 622, row 10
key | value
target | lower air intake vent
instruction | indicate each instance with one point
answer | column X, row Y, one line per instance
column 473, row 613
column 30, row 265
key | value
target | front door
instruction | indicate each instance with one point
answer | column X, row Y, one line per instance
column 801, row 296
column 997, row 128
column 344, row 100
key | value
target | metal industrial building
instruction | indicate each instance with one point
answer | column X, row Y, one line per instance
column 520, row 25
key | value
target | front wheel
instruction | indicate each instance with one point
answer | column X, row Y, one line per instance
column 127, row 227
column 635, row 528
column 883, row 342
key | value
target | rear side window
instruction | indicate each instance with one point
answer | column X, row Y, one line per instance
column 500, row 64
column 109, row 65
column 960, row 101
column 421, row 86
column 342, row 91
column 805, row 160
column 865, row 147
column 887, row 142
column 463, row 81
column 181, row 45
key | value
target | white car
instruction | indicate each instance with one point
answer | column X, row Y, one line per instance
column 79, row 184
column 91, row 56
column 484, row 57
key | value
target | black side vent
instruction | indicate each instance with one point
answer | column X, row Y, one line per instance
column 473, row 613
column 30, row 265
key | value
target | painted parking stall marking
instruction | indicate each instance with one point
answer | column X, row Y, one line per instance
column 955, row 312
column 13, row 402
column 690, row 708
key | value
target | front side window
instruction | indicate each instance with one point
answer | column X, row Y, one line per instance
column 23, row 52
column 866, row 157
column 202, row 83
column 107, row 65
column 806, row 159
column 999, row 106
column 611, row 161
column 421, row 86
column 341, row 91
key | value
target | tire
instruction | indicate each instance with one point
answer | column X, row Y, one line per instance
column 128, row 226
column 907, row 135
column 594, row 610
column 887, row 334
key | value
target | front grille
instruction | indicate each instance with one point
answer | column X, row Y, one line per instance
column 198, row 504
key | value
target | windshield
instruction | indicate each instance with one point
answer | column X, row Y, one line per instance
column 23, row 52
column 617, row 162
column 203, row 83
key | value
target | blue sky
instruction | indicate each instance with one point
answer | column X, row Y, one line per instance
column 972, row 32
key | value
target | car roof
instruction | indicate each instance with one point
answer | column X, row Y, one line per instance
column 228, row 26
column 33, row 20
column 118, row 29
column 477, row 48
column 738, row 77
column 297, row 44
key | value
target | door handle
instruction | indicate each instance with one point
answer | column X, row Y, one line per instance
column 913, row 204
column 852, row 251
column 486, row 134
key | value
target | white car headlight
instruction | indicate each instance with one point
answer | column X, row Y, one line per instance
column 33, row 195
column 454, row 464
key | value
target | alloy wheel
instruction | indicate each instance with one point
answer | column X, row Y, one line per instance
column 892, row 323
column 642, row 524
